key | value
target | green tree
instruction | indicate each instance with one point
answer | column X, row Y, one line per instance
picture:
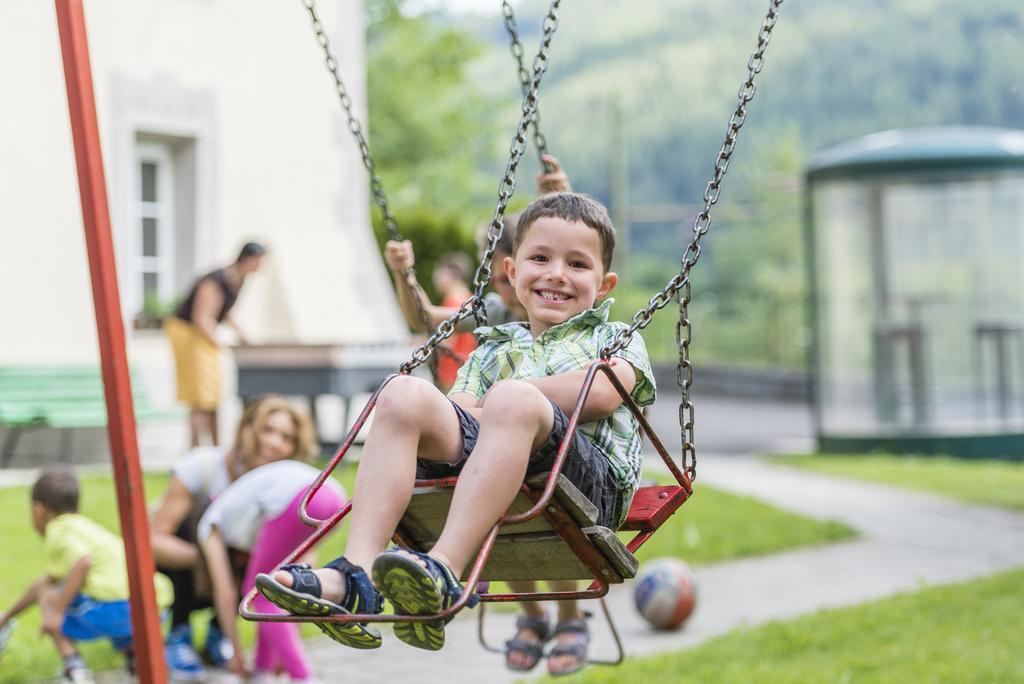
column 430, row 129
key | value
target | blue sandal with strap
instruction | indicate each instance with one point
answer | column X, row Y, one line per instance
column 304, row 598
column 417, row 590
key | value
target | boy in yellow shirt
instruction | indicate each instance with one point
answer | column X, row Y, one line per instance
column 83, row 594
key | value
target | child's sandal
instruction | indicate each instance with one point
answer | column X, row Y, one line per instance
column 304, row 598
column 577, row 649
column 533, row 649
column 415, row 590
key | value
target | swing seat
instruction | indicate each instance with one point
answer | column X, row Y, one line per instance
column 652, row 506
column 548, row 533
column 564, row 543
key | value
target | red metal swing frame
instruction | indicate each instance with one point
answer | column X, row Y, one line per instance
column 650, row 508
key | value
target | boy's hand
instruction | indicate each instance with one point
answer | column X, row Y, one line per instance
column 399, row 255
column 552, row 179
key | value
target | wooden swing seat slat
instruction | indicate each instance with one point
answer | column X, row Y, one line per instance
column 539, row 548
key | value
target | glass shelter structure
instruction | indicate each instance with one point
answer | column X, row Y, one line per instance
column 916, row 258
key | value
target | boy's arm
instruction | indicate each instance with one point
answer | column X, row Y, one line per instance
column 70, row 586
column 399, row 258
column 28, row 599
column 564, row 389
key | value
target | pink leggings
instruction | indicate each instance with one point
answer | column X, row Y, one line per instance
column 278, row 645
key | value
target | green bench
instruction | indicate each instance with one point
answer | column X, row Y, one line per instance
column 59, row 397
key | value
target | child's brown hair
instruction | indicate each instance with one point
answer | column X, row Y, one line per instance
column 57, row 490
column 571, row 206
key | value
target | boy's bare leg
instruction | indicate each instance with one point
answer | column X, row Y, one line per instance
column 567, row 610
column 534, row 609
column 212, row 426
column 53, row 617
column 516, row 419
column 195, row 426
column 412, row 418
column 531, row 608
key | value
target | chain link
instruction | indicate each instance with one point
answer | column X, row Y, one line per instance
column 475, row 305
column 376, row 186
column 516, row 48
column 679, row 285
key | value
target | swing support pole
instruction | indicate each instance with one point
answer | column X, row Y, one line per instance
column 124, row 448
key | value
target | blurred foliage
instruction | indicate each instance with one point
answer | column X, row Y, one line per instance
column 431, row 130
column 435, row 135
column 834, row 70
column 748, row 287
column 444, row 99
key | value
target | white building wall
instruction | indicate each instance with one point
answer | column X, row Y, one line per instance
column 238, row 93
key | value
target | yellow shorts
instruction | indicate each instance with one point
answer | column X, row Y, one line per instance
column 198, row 364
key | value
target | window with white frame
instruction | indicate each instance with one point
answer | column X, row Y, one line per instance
column 151, row 270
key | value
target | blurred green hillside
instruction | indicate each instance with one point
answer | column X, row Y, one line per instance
column 835, row 70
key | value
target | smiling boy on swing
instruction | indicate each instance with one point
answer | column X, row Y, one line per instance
column 502, row 421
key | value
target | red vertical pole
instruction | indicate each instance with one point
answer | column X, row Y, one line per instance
column 124, row 448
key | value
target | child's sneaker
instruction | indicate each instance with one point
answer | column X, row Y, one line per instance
column 183, row 662
column 218, row 650
column 75, row 671
column 5, row 634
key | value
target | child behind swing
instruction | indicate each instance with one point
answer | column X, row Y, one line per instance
column 502, row 422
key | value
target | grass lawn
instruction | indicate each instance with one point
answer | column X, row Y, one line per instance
column 959, row 633
column 715, row 525
column 996, row 483
column 28, row 656
column 712, row 526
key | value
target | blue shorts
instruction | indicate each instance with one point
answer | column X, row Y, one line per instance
column 86, row 619
column 584, row 465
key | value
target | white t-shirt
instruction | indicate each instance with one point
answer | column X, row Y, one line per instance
column 203, row 471
column 256, row 497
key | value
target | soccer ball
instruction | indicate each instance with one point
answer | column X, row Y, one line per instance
column 665, row 592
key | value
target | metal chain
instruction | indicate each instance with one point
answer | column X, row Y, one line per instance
column 475, row 304
column 516, row 47
column 679, row 286
column 376, row 186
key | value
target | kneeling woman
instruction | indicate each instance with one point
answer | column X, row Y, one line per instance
column 270, row 430
column 258, row 514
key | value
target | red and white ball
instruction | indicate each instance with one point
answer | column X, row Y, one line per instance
column 665, row 592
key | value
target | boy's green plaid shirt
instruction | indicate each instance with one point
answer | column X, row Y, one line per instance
column 509, row 352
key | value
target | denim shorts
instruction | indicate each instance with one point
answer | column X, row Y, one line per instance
column 86, row 619
column 584, row 465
